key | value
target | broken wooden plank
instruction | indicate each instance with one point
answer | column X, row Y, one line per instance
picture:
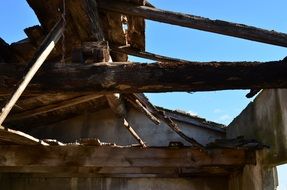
column 12, row 137
column 70, row 156
column 156, row 77
column 118, row 107
column 134, row 134
column 166, row 119
column 196, row 22
column 139, row 106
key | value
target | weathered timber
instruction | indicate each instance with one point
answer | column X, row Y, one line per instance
column 38, row 59
column 144, row 54
column 37, row 121
column 134, row 134
column 53, row 107
column 117, row 105
column 12, row 137
column 127, row 172
column 35, row 34
column 196, row 22
column 138, row 105
column 95, row 156
column 161, row 114
column 157, row 77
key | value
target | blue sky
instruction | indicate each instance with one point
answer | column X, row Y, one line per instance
column 178, row 42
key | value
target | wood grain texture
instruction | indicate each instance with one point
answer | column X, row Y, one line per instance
column 129, row 77
column 62, row 157
column 197, row 22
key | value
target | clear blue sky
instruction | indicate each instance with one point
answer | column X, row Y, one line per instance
column 179, row 42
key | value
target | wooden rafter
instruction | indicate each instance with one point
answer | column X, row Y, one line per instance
column 144, row 54
column 166, row 119
column 196, row 22
column 117, row 105
column 53, row 107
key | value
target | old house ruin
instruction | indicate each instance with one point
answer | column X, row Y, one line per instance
column 83, row 121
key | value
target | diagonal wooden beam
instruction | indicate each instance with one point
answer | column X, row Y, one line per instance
column 117, row 105
column 144, row 54
column 166, row 119
column 196, row 22
column 34, row 65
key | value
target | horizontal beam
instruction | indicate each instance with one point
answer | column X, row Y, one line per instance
column 196, row 22
column 129, row 77
column 47, row 159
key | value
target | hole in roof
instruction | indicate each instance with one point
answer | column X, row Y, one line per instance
column 15, row 17
column 194, row 45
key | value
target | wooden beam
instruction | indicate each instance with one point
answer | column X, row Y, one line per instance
column 157, row 77
column 12, row 137
column 196, row 22
column 144, row 54
column 31, row 158
column 166, row 119
column 38, row 59
column 118, row 107
column 53, row 107
column 138, row 105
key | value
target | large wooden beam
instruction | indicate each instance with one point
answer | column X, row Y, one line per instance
column 196, row 22
column 156, row 77
column 95, row 159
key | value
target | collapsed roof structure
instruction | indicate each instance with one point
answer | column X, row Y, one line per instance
column 87, row 92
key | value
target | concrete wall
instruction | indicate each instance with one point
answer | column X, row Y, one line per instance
column 265, row 120
column 254, row 177
column 26, row 182
column 105, row 126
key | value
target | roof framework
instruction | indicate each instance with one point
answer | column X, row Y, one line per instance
column 103, row 30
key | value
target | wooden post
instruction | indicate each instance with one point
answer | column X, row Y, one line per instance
column 40, row 56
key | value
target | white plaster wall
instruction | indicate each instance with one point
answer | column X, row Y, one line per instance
column 108, row 128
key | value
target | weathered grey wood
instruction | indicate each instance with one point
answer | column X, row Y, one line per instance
column 160, row 114
column 40, row 56
column 196, row 22
column 134, row 134
column 156, row 77
column 138, row 105
column 95, row 156
column 118, row 107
